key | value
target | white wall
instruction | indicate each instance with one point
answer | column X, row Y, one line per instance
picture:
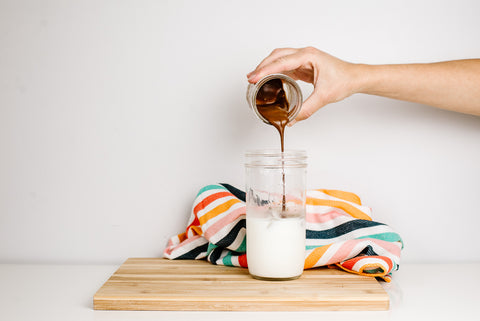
column 114, row 113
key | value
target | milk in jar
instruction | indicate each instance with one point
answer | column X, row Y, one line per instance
column 275, row 214
column 275, row 245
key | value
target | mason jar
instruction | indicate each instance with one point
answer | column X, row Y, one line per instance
column 292, row 92
column 275, row 201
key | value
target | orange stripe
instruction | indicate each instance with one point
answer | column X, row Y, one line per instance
column 313, row 257
column 182, row 237
column 207, row 200
column 346, row 196
column 222, row 208
column 350, row 209
column 384, row 276
column 376, row 265
column 196, row 229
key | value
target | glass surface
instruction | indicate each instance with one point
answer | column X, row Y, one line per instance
column 275, row 186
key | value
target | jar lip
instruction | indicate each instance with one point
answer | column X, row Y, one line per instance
column 289, row 80
column 266, row 78
column 296, row 153
column 272, row 158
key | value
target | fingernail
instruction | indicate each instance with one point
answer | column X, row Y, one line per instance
column 290, row 124
column 251, row 76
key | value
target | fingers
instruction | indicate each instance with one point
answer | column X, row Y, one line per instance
column 281, row 64
column 313, row 103
column 304, row 64
column 298, row 63
column 275, row 54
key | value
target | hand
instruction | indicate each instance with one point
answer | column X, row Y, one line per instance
column 452, row 85
column 332, row 78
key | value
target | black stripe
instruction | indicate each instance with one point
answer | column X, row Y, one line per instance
column 341, row 229
column 232, row 235
column 235, row 191
column 194, row 253
column 368, row 250
column 215, row 255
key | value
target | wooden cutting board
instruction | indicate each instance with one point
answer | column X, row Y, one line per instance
column 161, row 284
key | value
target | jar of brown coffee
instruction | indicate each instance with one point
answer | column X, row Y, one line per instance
column 275, row 92
column 276, row 100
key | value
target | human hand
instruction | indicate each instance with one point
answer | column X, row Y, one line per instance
column 333, row 79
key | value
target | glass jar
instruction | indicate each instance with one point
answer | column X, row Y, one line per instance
column 275, row 200
column 292, row 91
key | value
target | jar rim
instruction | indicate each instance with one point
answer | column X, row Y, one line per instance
column 276, row 153
column 289, row 81
column 273, row 158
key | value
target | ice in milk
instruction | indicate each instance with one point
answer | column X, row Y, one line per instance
column 275, row 243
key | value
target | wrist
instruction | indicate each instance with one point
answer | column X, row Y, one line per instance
column 362, row 78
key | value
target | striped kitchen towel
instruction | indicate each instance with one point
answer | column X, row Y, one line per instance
column 339, row 233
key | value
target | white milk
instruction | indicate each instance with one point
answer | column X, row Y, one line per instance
column 275, row 246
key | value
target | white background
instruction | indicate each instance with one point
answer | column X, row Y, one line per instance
column 114, row 113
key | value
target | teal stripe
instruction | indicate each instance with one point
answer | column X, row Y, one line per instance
column 387, row 236
column 243, row 247
column 211, row 247
column 209, row 187
column 227, row 260
column 311, row 247
column 374, row 270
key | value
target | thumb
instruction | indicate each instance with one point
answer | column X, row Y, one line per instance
column 313, row 103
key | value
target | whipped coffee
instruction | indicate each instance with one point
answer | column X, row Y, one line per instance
column 273, row 105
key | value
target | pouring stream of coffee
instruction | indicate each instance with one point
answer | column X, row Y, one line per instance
column 273, row 105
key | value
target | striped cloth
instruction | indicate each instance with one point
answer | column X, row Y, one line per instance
column 339, row 233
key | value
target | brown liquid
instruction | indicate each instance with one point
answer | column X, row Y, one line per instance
column 273, row 105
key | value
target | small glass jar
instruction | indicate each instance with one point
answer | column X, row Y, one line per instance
column 292, row 91
column 275, row 200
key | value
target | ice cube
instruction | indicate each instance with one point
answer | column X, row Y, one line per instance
column 275, row 213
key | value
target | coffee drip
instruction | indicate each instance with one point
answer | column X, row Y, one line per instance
column 272, row 104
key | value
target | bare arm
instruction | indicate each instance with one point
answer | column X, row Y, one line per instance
column 453, row 85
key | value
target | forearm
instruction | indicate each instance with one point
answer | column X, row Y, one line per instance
column 453, row 85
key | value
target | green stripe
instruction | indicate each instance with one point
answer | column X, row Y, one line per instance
column 209, row 187
column 243, row 247
column 211, row 247
column 387, row 236
column 227, row 260
column 311, row 247
column 374, row 270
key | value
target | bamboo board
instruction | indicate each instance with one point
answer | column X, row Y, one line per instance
column 161, row 284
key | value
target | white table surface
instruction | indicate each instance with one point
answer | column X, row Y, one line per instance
column 65, row 292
